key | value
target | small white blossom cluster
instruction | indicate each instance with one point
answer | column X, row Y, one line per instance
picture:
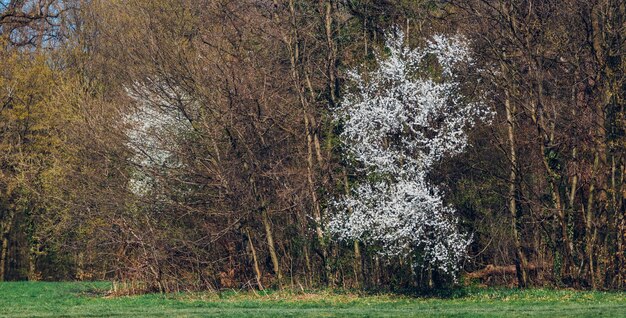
column 154, row 126
column 397, row 124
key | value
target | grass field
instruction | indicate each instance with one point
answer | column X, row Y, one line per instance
column 24, row 299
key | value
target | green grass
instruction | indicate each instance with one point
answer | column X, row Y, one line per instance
column 24, row 299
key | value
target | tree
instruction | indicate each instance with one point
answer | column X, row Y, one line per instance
column 397, row 125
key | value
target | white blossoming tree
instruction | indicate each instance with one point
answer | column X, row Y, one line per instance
column 398, row 122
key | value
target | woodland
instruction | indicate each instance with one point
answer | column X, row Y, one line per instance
column 361, row 144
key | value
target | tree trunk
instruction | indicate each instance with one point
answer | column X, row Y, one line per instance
column 357, row 249
column 520, row 261
column 272, row 249
column 3, row 257
column 357, row 264
column 328, row 26
column 32, row 263
column 621, row 232
column 5, row 230
column 255, row 261
column 589, row 236
column 312, row 140
column 80, row 266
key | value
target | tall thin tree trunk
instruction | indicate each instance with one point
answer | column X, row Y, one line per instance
column 357, row 263
column 357, row 249
column 3, row 257
column 309, row 269
column 621, row 231
column 331, row 69
column 255, row 261
column 5, row 229
column 589, row 236
column 32, row 263
column 80, row 265
column 520, row 261
column 365, row 36
column 546, row 132
column 272, row 249
column 317, row 213
column 312, row 140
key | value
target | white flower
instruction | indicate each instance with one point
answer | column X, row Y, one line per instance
column 397, row 125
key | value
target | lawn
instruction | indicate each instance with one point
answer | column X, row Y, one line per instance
column 25, row 299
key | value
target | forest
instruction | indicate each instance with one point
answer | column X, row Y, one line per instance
column 198, row 145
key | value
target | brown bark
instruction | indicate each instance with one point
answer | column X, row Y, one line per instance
column 589, row 222
column 357, row 263
column 357, row 248
column 312, row 139
column 271, row 247
column 5, row 229
column 520, row 261
column 3, row 257
column 255, row 262
column 331, row 56
column 32, row 264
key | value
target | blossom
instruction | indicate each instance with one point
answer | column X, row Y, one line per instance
column 398, row 121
